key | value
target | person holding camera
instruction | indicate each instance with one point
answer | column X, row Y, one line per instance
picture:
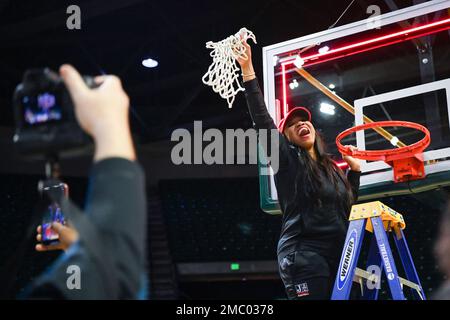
column 107, row 242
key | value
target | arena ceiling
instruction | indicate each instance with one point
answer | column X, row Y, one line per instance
column 117, row 35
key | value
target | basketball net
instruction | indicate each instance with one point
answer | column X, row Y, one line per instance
column 223, row 73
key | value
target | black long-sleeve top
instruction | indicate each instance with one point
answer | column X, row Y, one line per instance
column 111, row 249
column 304, row 225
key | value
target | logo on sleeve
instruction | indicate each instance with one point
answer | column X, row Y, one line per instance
column 302, row 289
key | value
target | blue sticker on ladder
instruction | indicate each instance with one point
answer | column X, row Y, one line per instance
column 347, row 259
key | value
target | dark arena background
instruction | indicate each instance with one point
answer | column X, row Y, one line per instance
column 208, row 237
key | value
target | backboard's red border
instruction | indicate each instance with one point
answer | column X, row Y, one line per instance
column 362, row 46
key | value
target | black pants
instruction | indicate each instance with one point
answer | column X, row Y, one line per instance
column 308, row 275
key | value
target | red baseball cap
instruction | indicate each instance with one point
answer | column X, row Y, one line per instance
column 295, row 111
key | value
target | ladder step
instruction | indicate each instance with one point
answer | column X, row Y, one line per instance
column 363, row 274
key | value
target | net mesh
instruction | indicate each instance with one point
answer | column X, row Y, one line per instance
column 223, row 73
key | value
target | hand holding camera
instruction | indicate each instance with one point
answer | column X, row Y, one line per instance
column 50, row 109
column 102, row 112
column 66, row 235
column 50, row 112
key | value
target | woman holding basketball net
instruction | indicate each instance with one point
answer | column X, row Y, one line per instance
column 315, row 196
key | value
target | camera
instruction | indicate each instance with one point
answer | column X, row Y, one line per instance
column 45, row 116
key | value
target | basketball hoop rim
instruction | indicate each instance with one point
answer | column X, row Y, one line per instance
column 385, row 155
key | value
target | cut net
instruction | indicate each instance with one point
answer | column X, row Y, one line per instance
column 223, row 73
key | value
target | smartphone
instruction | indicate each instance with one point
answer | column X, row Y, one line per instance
column 52, row 212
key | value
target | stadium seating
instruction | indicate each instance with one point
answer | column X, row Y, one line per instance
column 218, row 220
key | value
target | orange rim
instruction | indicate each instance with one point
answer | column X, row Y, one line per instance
column 384, row 155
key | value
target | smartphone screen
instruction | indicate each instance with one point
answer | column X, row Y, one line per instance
column 52, row 213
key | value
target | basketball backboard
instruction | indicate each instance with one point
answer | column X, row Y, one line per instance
column 394, row 67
